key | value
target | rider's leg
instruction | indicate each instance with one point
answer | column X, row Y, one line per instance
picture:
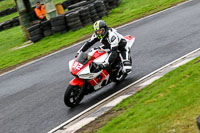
column 126, row 62
column 125, row 57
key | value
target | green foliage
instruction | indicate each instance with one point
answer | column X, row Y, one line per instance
column 8, row 17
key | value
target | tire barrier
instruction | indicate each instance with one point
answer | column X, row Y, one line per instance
column 85, row 17
column 10, row 23
column 71, row 4
column 15, row 21
column 67, row 3
column 35, row 32
column 8, row 11
column 100, row 8
column 59, row 24
column 93, row 13
column 46, row 28
column 79, row 4
column 114, row 3
column 73, row 21
column 80, row 14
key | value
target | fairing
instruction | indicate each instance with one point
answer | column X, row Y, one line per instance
column 76, row 82
column 130, row 40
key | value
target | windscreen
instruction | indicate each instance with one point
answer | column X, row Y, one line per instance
column 82, row 58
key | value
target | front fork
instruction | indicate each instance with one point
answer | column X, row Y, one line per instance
column 81, row 83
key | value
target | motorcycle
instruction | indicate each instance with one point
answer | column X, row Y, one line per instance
column 89, row 77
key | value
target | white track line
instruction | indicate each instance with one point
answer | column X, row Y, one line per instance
column 86, row 39
column 148, row 82
column 181, row 63
column 116, row 101
column 83, row 112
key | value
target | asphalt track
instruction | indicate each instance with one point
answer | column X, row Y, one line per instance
column 31, row 98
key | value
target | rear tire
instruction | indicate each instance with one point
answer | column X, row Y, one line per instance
column 73, row 96
column 123, row 76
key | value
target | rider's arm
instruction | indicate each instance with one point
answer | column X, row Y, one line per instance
column 114, row 41
column 113, row 55
column 89, row 43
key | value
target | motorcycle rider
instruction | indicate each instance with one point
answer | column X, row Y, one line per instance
column 112, row 40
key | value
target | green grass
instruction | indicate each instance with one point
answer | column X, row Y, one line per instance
column 6, row 4
column 58, row 1
column 127, row 11
column 10, row 4
column 170, row 104
column 8, row 17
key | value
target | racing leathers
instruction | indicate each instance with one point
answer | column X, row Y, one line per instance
column 115, row 42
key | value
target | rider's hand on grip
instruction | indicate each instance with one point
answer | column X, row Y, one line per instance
column 76, row 55
column 101, row 66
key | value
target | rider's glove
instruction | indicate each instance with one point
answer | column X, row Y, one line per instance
column 100, row 47
column 103, row 65
column 77, row 54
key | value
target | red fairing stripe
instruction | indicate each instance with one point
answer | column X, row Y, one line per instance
column 98, row 53
column 94, row 82
column 129, row 37
column 105, row 72
column 76, row 81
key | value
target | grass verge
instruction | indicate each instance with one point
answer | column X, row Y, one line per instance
column 8, row 17
column 10, row 3
column 169, row 105
column 128, row 11
column 6, row 4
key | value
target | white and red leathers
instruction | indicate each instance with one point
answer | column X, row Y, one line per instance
column 115, row 42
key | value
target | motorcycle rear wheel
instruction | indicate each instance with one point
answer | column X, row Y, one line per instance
column 124, row 75
column 73, row 96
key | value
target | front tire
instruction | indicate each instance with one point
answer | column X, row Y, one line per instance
column 73, row 96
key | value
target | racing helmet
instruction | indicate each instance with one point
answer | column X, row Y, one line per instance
column 100, row 29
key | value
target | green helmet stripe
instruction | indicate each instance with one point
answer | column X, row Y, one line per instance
column 98, row 22
column 96, row 25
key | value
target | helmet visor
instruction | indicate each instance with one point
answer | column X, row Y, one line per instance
column 99, row 32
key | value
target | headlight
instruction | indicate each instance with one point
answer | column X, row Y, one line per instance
column 87, row 76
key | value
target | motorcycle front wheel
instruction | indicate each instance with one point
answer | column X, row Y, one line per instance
column 73, row 96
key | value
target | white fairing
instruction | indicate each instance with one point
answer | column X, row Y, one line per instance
column 86, row 74
column 130, row 42
column 101, row 59
column 71, row 64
